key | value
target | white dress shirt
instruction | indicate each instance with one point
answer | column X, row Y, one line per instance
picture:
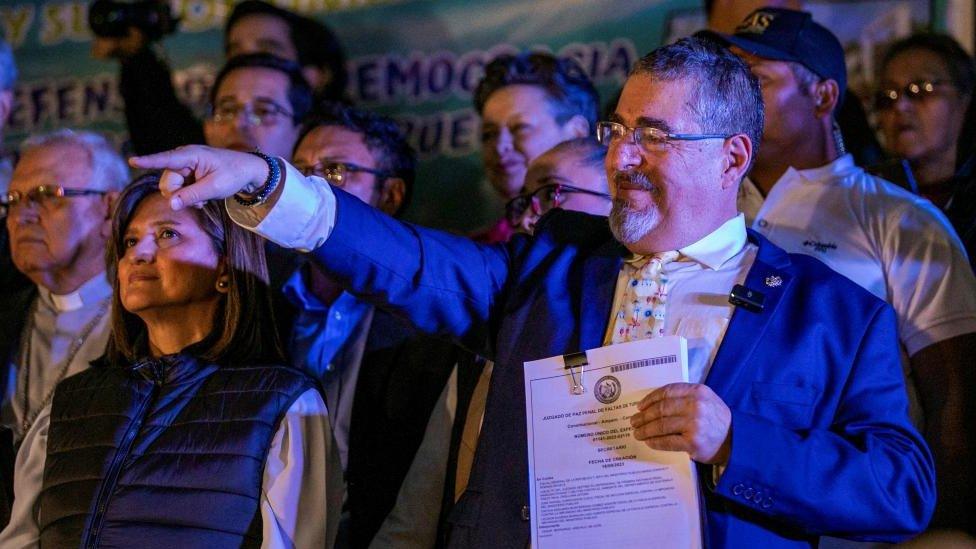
column 699, row 282
column 301, row 491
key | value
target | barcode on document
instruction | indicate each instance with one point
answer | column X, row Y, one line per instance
column 656, row 361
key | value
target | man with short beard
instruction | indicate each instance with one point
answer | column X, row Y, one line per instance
column 795, row 410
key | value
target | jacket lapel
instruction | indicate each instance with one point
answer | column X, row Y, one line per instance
column 771, row 275
column 600, row 272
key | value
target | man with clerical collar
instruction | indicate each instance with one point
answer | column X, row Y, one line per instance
column 59, row 207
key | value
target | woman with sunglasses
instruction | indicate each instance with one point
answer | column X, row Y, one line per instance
column 190, row 432
column 926, row 83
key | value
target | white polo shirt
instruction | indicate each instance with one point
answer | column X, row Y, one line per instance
column 898, row 246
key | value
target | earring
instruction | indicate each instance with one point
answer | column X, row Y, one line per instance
column 222, row 284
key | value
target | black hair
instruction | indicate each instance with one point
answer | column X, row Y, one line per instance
column 569, row 89
column 299, row 92
column 962, row 71
column 383, row 137
column 315, row 44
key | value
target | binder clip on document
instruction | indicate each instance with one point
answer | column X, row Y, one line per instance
column 578, row 361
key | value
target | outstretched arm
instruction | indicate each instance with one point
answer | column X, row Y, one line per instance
column 442, row 283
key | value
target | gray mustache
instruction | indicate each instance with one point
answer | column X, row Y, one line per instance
column 635, row 179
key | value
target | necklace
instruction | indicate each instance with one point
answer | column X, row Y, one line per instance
column 25, row 354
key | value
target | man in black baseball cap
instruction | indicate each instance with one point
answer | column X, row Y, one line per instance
column 780, row 34
column 807, row 196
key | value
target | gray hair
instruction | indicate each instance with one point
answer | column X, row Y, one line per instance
column 8, row 68
column 109, row 170
column 726, row 98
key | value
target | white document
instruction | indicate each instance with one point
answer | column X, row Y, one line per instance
column 591, row 484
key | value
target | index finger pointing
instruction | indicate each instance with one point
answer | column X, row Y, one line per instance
column 181, row 159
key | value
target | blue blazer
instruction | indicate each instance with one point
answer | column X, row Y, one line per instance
column 821, row 439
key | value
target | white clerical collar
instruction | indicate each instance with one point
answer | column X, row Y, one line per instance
column 720, row 245
column 832, row 170
column 91, row 292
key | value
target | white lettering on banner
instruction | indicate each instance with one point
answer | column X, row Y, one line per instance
column 419, row 77
column 15, row 21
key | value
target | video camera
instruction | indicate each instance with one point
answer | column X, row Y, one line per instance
column 112, row 19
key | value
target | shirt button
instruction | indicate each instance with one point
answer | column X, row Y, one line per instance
column 763, row 223
column 338, row 315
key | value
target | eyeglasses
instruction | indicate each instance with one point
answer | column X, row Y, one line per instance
column 543, row 199
column 913, row 91
column 649, row 138
column 44, row 195
column 337, row 172
column 261, row 113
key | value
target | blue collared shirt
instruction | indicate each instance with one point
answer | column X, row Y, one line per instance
column 327, row 342
column 320, row 332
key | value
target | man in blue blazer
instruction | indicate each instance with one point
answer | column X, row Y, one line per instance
column 796, row 410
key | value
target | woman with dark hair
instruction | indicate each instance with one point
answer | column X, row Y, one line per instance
column 189, row 432
column 925, row 86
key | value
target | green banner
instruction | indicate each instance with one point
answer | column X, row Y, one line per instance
column 417, row 60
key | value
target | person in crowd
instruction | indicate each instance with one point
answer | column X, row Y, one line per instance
column 680, row 141
column 60, row 202
column 382, row 380
column 155, row 117
column 54, row 302
column 806, row 195
column 8, row 78
column 725, row 16
column 926, row 82
column 962, row 210
column 257, row 103
column 569, row 176
column 528, row 103
column 11, row 279
column 191, row 431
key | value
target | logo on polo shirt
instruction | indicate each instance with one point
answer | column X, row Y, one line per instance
column 757, row 23
column 822, row 247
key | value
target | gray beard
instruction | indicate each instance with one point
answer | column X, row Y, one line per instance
column 629, row 225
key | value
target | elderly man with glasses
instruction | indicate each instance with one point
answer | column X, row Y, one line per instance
column 58, row 217
column 257, row 103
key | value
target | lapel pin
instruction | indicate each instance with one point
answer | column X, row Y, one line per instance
column 774, row 281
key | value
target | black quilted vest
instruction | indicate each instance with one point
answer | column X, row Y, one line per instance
column 163, row 453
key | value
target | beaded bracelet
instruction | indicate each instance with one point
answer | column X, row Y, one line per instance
column 270, row 184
